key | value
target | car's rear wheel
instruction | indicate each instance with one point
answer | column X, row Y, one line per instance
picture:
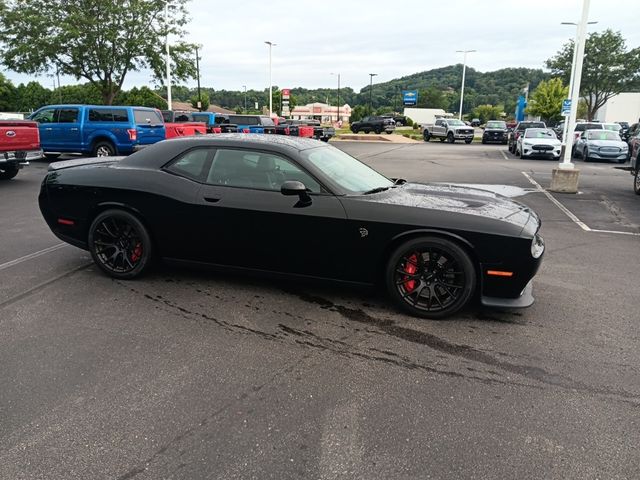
column 120, row 244
column 450, row 138
column 7, row 173
column 636, row 180
column 426, row 135
column 430, row 277
column 104, row 149
column 378, row 130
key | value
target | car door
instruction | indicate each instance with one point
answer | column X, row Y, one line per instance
column 45, row 118
column 247, row 222
column 581, row 142
column 438, row 128
column 66, row 131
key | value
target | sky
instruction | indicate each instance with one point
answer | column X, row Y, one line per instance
column 354, row 38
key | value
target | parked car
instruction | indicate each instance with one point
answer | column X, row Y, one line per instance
column 374, row 124
column 299, row 128
column 581, row 127
column 317, row 212
column 495, row 131
column 97, row 130
column 400, row 120
column 624, row 130
column 215, row 122
column 538, row 142
column 475, row 122
column 634, row 145
column 181, row 124
column 321, row 132
column 19, row 143
column 253, row 123
column 601, row 145
column 613, row 127
column 448, row 129
column 519, row 130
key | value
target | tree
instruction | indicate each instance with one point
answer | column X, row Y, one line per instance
column 358, row 112
column 32, row 96
column 7, row 94
column 432, row 97
column 204, row 100
column 608, row 68
column 142, row 97
column 546, row 100
column 100, row 41
column 488, row 112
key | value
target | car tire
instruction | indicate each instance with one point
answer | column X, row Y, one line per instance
column 484, row 142
column 103, row 149
column 378, row 130
column 120, row 244
column 585, row 155
column 511, row 149
column 367, row 131
column 7, row 173
column 354, row 130
column 450, row 138
column 450, row 277
column 636, row 180
column 51, row 156
column 426, row 136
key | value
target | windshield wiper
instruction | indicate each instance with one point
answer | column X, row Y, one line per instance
column 376, row 190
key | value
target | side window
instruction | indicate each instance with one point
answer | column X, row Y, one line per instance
column 120, row 115
column 67, row 115
column 44, row 116
column 100, row 115
column 193, row 164
column 147, row 117
column 256, row 170
column 438, row 122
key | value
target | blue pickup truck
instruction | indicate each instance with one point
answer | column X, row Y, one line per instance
column 253, row 123
column 97, row 130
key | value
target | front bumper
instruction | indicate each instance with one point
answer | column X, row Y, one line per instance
column 523, row 301
column 602, row 156
column 529, row 151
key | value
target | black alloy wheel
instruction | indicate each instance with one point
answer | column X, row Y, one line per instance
column 450, row 138
column 636, row 179
column 120, row 244
column 430, row 277
column 354, row 129
column 104, row 149
column 426, row 135
column 7, row 173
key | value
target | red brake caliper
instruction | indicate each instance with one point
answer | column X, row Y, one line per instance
column 137, row 252
column 411, row 268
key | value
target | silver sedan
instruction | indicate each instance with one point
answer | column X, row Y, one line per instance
column 601, row 145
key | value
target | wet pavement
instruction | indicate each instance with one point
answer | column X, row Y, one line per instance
column 187, row 374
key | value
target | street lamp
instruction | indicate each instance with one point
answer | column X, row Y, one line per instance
column 464, row 70
column 245, row 98
column 338, row 112
column 371, row 75
column 166, row 25
column 271, row 45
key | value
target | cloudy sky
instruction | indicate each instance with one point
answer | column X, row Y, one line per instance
column 355, row 38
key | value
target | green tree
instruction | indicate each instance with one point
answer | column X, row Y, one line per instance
column 86, row 93
column 32, row 96
column 432, row 97
column 546, row 100
column 488, row 112
column 204, row 101
column 141, row 97
column 7, row 94
column 358, row 112
column 609, row 68
column 100, row 41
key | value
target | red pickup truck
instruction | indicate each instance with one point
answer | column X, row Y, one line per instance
column 19, row 143
column 179, row 124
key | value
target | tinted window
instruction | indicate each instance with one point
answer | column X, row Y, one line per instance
column 220, row 120
column 199, row 117
column 182, row 117
column 147, row 117
column 193, row 164
column 167, row 115
column 108, row 115
column 256, row 170
column 67, row 115
column 496, row 125
column 614, row 127
column 267, row 121
column 44, row 116
column 242, row 120
column 581, row 127
column 539, row 133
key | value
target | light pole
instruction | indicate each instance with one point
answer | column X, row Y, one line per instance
column 166, row 26
column 271, row 45
column 245, row 98
column 464, row 71
column 338, row 112
column 198, row 75
column 371, row 75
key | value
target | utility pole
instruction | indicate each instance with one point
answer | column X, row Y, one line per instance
column 245, row 98
column 59, row 90
column 464, row 71
column 198, row 75
column 338, row 103
column 371, row 75
column 271, row 45
column 166, row 25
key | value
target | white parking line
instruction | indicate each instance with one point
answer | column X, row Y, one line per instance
column 11, row 263
column 570, row 214
column 504, row 155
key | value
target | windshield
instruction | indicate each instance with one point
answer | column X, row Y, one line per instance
column 456, row 123
column 345, row 171
column 581, row 127
column 603, row 135
column 614, row 127
column 496, row 125
column 539, row 133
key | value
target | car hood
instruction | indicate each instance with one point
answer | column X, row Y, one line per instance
column 606, row 143
column 503, row 130
column 542, row 141
column 456, row 199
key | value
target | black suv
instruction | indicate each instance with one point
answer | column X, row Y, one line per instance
column 374, row 124
column 495, row 131
column 519, row 130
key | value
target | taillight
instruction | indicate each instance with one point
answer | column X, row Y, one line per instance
column 216, row 130
column 287, row 131
column 245, row 130
column 133, row 134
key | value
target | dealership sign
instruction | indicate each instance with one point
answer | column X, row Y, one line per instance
column 410, row 97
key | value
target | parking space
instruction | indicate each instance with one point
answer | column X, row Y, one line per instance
column 189, row 374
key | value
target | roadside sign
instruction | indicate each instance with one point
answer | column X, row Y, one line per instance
column 286, row 93
column 256, row 105
column 566, row 107
column 409, row 97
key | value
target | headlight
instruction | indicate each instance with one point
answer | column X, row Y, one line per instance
column 527, row 143
column 537, row 246
column 625, row 147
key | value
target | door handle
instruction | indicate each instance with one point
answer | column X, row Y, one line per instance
column 48, row 129
column 73, row 129
column 211, row 199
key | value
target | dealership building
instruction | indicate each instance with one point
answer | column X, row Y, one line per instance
column 323, row 112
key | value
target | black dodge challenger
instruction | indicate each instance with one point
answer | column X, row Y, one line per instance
column 299, row 208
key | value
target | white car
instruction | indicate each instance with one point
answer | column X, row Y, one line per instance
column 538, row 142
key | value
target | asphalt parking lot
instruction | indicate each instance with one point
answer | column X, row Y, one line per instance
column 187, row 374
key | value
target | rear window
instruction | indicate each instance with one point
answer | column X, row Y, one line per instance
column 525, row 125
column 146, row 117
column 496, row 125
column 220, row 120
column 108, row 115
column 242, row 120
column 267, row 121
column 581, row 127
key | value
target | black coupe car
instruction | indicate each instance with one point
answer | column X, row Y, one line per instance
column 295, row 207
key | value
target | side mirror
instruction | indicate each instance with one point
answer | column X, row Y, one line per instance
column 293, row 187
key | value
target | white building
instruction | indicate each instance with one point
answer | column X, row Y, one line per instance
column 624, row 107
column 323, row 112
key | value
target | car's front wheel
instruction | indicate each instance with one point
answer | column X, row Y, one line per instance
column 450, row 138
column 636, row 181
column 120, row 244
column 378, row 130
column 426, row 135
column 430, row 277
column 585, row 155
column 7, row 173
